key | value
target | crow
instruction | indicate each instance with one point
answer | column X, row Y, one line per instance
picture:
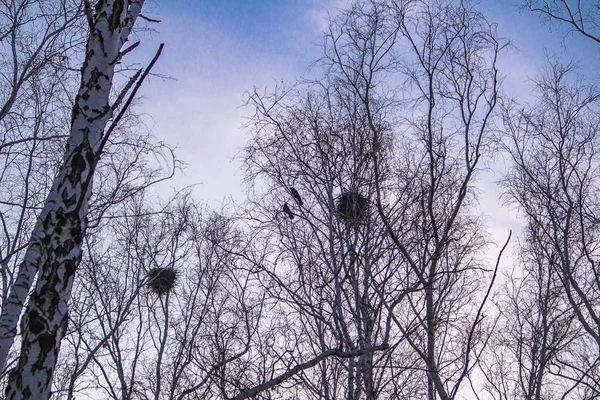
column 296, row 196
column 286, row 209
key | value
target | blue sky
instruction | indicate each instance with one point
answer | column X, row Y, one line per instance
column 215, row 51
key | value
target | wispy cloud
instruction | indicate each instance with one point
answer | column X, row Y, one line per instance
column 215, row 54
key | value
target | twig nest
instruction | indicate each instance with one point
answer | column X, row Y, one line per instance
column 352, row 207
column 162, row 280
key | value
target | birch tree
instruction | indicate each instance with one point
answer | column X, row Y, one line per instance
column 579, row 17
column 553, row 180
column 54, row 250
column 533, row 351
column 330, row 275
column 196, row 340
column 35, row 39
column 402, row 117
column 437, row 79
column 453, row 74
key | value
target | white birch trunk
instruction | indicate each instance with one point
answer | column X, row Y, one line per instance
column 55, row 248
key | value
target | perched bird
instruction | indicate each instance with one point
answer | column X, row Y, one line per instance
column 296, row 195
column 286, row 209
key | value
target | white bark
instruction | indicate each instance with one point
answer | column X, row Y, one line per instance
column 55, row 248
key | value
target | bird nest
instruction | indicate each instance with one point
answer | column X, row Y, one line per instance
column 162, row 280
column 352, row 207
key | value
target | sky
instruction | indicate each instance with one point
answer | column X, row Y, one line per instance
column 217, row 50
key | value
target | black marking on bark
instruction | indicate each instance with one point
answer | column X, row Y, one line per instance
column 63, row 249
column 69, row 200
column 49, row 295
column 95, row 75
column 99, row 6
column 47, row 342
column 77, row 235
column 77, row 162
column 46, row 223
column 66, row 247
column 70, row 267
column 48, row 289
column 91, row 157
column 78, row 165
column 66, row 323
column 36, row 323
column 61, row 219
column 57, row 250
column 44, row 342
column 54, row 299
column 114, row 19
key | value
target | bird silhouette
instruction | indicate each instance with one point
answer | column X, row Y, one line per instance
column 286, row 209
column 296, row 195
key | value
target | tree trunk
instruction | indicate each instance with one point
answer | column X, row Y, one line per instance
column 55, row 248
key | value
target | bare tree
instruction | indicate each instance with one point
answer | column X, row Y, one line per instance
column 357, row 271
column 535, row 350
column 330, row 274
column 401, row 118
column 54, row 249
column 43, row 39
column 553, row 146
column 442, row 58
column 577, row 16
column 132, row 337
column 38, row 39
